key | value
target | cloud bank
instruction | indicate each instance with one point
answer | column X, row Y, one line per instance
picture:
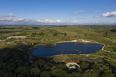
column 49, row 21
column 10, row 15
column 11, row 19
column 109, row 14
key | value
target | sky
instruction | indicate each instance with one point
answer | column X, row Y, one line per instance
column 57, row 12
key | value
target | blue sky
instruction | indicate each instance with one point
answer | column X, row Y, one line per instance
column 57, row 12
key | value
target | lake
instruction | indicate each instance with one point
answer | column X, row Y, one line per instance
column 66, row 48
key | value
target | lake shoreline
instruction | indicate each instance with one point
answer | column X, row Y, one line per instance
column 56, row 44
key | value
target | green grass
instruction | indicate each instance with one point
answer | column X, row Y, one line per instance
column 93, row 33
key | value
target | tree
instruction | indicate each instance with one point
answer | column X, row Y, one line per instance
column 61, row 66
column 108, row 73
column 59, row 73
column 23, row 70
column 74, row 74
column 90, row 73
column 84, row 65
column 7, row 74
column 96, row 68
column 41, row 33
column 20, row 75
column 106, row 33
column 45, row 74
column 32, row 34
column 79, row 70
column 46, row 67
column 114, row 49
column 39, row 63
column 65, row 34
column 85, row 34
column 55, row 34
column 35, row 71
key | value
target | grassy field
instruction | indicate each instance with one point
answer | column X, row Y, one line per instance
column 44, row 35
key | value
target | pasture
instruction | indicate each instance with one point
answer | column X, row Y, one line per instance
column 47, row 35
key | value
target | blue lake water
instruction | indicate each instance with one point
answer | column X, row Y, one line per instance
column 66, row 48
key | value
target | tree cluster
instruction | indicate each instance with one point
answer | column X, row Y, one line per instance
column 16, row 63
column 41, row 33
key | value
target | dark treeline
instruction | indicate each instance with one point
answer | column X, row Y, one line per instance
column 113, row 30
column 6, row 28
column 35, row 27
column 17, row 63
column 8, row 31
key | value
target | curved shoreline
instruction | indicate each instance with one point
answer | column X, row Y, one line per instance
column 31, row 49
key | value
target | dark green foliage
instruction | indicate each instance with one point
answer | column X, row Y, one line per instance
column 108, row 73
column 35, row 27
column 8, row 74
column 114, row 49
column 59, row 73
column 41, row 33
column 90, row 73
column 35, row 71
column 96, row 68
column 62, row 66
column 65, row 34
column 47, row 67
column 113, row 30
column 106, row 33
column 8, row 31
column 20, row 75
column 75, row 74
column 79, row 70
column 45, row 74
column 33, row 34
column 15, row 63
column 55, row 34
column 85, row 34
column 84, row 65
column 23, row 70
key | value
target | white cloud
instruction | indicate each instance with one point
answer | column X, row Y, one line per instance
column 79, row 12
column 109, row 14
column 49, row 21
column 58, row 21
column 96, row 16
column 97, row 11
column 76, row 22
column 10, row 15
column 13, row 20
column 97, row 22
column 112, row 22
